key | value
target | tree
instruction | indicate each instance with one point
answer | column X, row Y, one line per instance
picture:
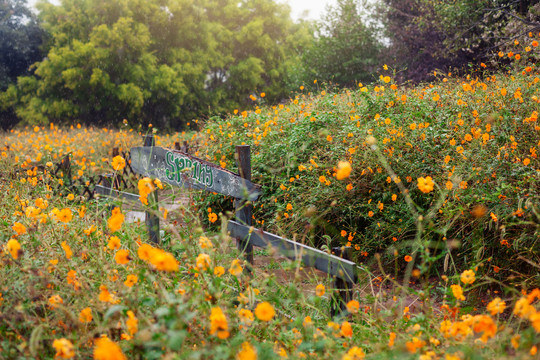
column 346, row 49
column 155, row 61
column 425, row 35
column 20, row 40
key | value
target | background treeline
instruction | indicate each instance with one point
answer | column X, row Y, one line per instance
column 167, row 62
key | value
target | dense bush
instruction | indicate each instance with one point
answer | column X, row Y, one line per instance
column 476, row 137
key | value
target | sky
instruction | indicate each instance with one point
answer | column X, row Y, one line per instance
column 306, row 9
column 314, row 8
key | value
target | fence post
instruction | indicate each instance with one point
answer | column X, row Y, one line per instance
column 152, row 220
column 244, row 210
column 344, row 289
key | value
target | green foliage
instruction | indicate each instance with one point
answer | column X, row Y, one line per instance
column 296, row 149
column 20, row 40
column 159, row 62
column 346, row 48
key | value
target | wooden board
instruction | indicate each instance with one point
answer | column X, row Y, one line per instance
column 330, row 264
column 180, row 169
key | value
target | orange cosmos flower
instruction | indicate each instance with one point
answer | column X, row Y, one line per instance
column 353, row 306
column 65, row 215
column 67, row 250
column 106, row 349
column 236, row 268
column 344, row 170
column 19, row 228
column 116, row 220
column 14, row 248
column 247, row 352
column 131, row 280
column 219, row 271
column 346, row 329
column 218, row 323
column 122, row 257
column 425, row 184
column 85, row 316
column 132, row 323
column 496, row 306
column 319, row 290
column 118, row 163
column 144, row 251
column 163, row 260
column 264, row 311
column 64, row 349
column 457, row 291
column 468, row 277
column 203, row 262
column 408, row 258
column 114, row 243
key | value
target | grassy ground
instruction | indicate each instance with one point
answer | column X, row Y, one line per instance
column 450, row 268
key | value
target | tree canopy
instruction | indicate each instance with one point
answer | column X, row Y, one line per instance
column 157, row 61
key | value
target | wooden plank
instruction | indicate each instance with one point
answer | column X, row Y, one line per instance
column 318, row 259
column 244, row 210
column 107, row 191
column 180, row 169
column 152, row 220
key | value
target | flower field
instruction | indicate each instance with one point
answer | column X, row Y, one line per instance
column 435, row 188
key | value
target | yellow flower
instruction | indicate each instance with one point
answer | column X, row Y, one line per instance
column 245, row 316
column 14, row 248
column 344, row 170
column 248, row 352
column 118, row 163
column 218, row 323
column 496, row 306
column 425, row 184
column 85, row 316
column 236, row 268
column 203, row 262
column 467, row 277
column 64, row 349
column 264, row 311
column 354, row 353
column 107, row 349
column 457, row 291
column 319, row 290
column 219, row 271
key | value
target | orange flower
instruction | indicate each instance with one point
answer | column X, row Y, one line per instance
column 457, row 291
column 218, row 323
column 122, row 257
column 425, row 184
column 144, row 251
column 212, row 217
column 236, row 268
column 219, row 271
column 496, row 306
column 132, row 323
column 67, row 250
column 106, row 349
column 203, row 262
column 353, row 306
column 248, row 352
column 85, row 316
column 319, row 290
column 344, row 170
column 408, row 258
column 163, row 260
column 114, row 243
column 118, row 163
column 131, row 280
column 264, row 311
column 14, row 248
column 55, row 300
column 467, row 277
column 64, row 349
column 65, row 215
column 19, row 228
column 116, row 220
column 346, row 329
